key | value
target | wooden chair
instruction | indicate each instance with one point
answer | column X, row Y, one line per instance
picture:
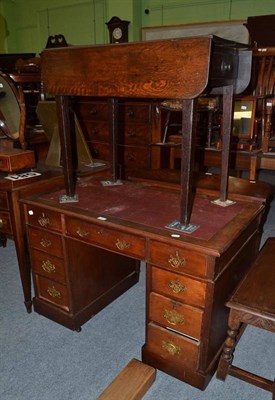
column 207, row 106
column 253, row 303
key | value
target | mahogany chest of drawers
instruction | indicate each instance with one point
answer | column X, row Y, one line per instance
column 139, row 125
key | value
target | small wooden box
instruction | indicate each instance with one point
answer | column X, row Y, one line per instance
column 12, row 160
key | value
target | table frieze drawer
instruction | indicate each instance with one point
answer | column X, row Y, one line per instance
column 42, row 218
column 180, row 287
column 4, row 203
column 52, row 291
column 172, row 347
column 175, row 315
column 122, row 243
column 178, row 259
column 46, row 241
column 47, row 265
column 5, row 223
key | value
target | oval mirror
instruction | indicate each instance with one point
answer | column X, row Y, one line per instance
column 9, row 108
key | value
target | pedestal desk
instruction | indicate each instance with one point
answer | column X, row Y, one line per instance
column 196, row 246
column 83, row 255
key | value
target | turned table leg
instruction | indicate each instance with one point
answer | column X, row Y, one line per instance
column 229, row 346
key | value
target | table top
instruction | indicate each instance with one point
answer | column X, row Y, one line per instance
column 146, row 210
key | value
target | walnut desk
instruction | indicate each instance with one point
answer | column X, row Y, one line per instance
column 97, row 228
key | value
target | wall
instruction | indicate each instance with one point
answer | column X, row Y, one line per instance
column 26, row 24
column 171, row 12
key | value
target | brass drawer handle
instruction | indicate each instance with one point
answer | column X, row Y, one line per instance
column 175, row 261
column 173, row 317
column 122, row 245
column 171, row 348
column 81, row 232
column 43, row 221
column 177, row 287
column 2, row 223
column 53, row 292
column 47, row 266
column 45, row 242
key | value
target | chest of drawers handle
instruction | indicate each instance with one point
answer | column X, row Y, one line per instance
column 45, row 242
column 173, row 317
column 2, row 222
column 176, row 287
column 47, row 266
column 176, row 261
column 53, row 292
column 81, row 232
column 122, row 245
column 131, row 134
column 93, row 111
column 171, row 348
column 43, row 221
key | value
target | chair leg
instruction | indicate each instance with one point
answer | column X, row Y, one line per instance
column 166, row 126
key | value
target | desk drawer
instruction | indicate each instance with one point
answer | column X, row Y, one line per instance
column 47, row 265
column 40, row 217
column 4, row 204
column 172, row 347
column 129, row 245
column 52, row 291
column 175, row 315
column 46, row 241
column 5, row 223
column 180, row 287
column 178, row 259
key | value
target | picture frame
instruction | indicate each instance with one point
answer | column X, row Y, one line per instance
column 232, row 30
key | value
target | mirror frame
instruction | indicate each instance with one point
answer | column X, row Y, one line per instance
column 19, row 97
